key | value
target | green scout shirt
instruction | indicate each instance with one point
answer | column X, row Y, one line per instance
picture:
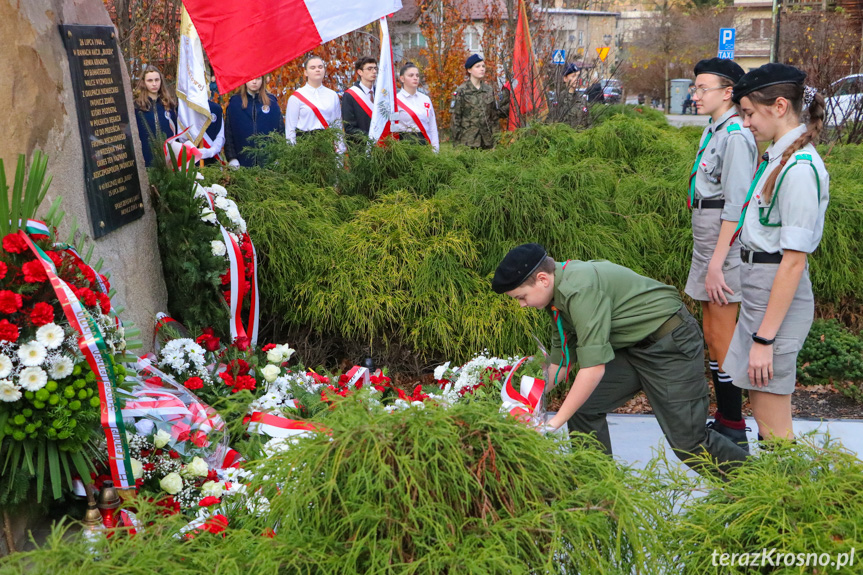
column 603, row 307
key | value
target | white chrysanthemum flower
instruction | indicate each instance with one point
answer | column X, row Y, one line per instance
column 222, row 203
column 33, row 378
column 209, row 216
column 5, row 365
column 62, row 368
column 218, row 248
column 50, row 335
column 32, row 353
column 8, row 391
column 233, row 214
column 220, row 191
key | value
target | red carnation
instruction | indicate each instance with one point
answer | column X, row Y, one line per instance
column 55, row 257
column 10, row 302
column 226, row 278
column 43, row 313
column 212, row 475
column 207, row 501
column 227, row 378
column 87, row 272
column 34, row 272
column 3, row 270
column 216, row 523
column 194, row 383
column 104, row 302
column 244, row 382
column 8, row 331
column 268, row 347
column 173, row 454
column 239, row 366
column 14, row 244
column 87, row 296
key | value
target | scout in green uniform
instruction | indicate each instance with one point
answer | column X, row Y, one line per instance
column 627, row 333
column 475, row 111
column 782, row 222
column 717, row 188
column 571, row 107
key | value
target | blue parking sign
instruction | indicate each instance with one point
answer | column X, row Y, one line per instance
column 559, row 57
column 726, row 43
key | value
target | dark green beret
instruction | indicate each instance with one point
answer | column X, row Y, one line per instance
column 720, row 67
column 517, row 265
column 766, row 75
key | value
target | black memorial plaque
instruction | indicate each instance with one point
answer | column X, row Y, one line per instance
column 110, row 170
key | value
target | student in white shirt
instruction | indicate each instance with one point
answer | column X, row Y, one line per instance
column 314, row 106
column 415, row 106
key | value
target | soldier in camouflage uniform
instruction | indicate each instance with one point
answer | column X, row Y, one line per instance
column 571, row 107
column 475, row 110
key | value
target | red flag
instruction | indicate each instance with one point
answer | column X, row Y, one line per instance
column 526, row 91
column 245, row 39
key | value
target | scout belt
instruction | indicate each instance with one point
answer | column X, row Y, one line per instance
column 759, row 257
column 702, row 204
column 666, row 328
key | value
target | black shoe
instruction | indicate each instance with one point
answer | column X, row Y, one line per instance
column 738, row 436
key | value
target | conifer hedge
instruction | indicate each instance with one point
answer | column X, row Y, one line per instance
column 399, row 247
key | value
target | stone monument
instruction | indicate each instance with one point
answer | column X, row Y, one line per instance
column 40, row 110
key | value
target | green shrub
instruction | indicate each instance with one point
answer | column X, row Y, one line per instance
column 832, row 354
column 794, row 499
column 616, row 191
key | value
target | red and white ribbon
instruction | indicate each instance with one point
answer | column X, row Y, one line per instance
column 528, row 400
column 278, row 426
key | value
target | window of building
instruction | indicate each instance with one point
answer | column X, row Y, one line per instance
column 417, row 40
column 473, row 41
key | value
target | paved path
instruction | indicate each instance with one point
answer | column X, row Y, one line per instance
column 678, row 120
column 637, row 438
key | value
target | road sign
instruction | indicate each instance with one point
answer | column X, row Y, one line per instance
column 727, row 37
column 559, row 57
column 603, row 53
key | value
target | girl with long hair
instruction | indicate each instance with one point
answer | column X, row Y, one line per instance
column 251, row 111
column 155, row 111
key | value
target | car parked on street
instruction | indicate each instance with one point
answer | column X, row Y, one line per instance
column 846, row 102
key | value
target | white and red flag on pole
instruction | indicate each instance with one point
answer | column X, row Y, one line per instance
column 385, row 105
column 193, row 110
column 245, row 39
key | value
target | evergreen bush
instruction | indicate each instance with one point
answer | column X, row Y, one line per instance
column 832, row 354
column 333, row 264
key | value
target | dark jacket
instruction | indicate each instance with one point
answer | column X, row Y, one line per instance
column 216, row 126
column 155, row 124
column 354, row 119
column 243, row 123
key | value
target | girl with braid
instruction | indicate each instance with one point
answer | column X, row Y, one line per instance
column 718, row 183
column 782, row 222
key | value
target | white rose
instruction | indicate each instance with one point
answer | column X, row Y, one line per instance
column 233, row 214
column 275, row 355
column 144, row 427
column 218, row 248
column 197, row 468
column 209, row 216
column 212, row 489
column 287, row 351
column 271, row 372
column 171, row 483
column 137, row 468
column 161, row 439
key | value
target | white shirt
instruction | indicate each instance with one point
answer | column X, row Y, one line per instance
column 301, row 117
column 795, row 214
column 216, row 145
column 423, row 108
column 365, row 94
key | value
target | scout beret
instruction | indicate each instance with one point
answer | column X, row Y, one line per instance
column 766, row 75
column 571, row 69
column 472, row 61
column 720, row 67
column 516, row 266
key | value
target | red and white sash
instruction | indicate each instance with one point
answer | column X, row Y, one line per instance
column 313, row 108
column 360, row 98
column 404, row 107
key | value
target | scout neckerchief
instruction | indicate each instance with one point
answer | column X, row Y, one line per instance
column 691, row 199
column 405, row 108
column 357, row 94
column 563, row 337
column 765, row 160
column 313, row 108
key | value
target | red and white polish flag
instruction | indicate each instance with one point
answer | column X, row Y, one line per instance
column 245, row 39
